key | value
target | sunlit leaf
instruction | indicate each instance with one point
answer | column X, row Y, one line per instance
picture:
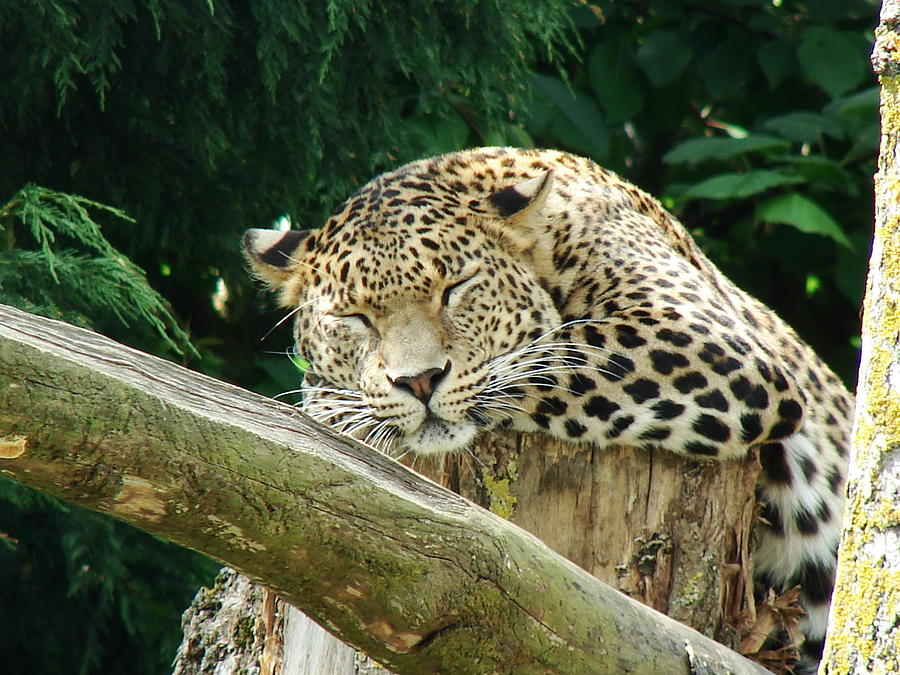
column 706, row 149
column 801, row 212
column 813, row 284
column 739, row 185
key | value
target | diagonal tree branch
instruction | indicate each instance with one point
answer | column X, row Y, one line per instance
column 412, row 574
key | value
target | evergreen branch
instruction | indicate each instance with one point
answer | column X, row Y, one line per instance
column 75, row 283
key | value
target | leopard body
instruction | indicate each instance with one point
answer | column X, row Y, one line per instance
column 533, row 289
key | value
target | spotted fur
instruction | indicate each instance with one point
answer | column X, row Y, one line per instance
column 535, row 290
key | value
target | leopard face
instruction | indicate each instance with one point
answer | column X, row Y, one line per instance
column 414, row 333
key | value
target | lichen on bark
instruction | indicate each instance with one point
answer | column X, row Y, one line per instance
column 864, row 625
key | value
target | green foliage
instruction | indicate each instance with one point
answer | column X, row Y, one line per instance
column 794, row 209
column 103, row 590
column 199, row 120
column 756, row 122
column 202, row 119
column 84, row 594
column 88, row 283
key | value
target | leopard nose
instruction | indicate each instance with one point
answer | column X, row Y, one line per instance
column 422, row 386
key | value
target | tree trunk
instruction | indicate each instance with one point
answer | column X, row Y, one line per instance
column 412, row 574
column 669, row 532
column 864, row 625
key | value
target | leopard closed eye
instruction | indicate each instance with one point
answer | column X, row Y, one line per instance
column 535, row 290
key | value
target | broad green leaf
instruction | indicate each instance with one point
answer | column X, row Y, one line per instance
column 801, row 212
column 823, row 170
column 805, row 127
column 541, row 110
column 850, row 267
column 777, row 60
column 726, row 69
column 833, row 11
column 440, row 134
column 831, row 60
column 664, row 55
column 616, row 80
column 863, row 102
column 865, row 142
column 738, row 185
column 578, row 122
column 707, row 149
column 509, row 134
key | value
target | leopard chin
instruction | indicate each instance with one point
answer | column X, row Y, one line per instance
column 438, row 437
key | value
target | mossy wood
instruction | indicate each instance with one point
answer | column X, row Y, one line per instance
column 395, row 565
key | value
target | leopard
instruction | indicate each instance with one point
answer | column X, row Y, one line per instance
column 533, row 290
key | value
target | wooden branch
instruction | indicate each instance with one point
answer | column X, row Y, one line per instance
column 412, row 574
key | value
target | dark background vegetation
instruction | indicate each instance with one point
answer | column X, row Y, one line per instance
column 139, row 139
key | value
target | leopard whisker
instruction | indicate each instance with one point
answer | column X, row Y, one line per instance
column 474, row 457
column 289, row 392
column 352, row 427
column 287, row 316
column 333, row 404
column 382, row 436
column 499, row 405
column 315, row 389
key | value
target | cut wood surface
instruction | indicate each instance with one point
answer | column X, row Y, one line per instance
column 395, row 565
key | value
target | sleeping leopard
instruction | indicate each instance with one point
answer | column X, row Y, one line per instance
column 534, row 290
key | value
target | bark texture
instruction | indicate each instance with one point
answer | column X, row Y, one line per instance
column 412, row 574
column 232, row 628
column 864, row 626
column 669, row 532
column 238, row 626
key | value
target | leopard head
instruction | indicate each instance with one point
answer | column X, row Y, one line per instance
column 421, row 306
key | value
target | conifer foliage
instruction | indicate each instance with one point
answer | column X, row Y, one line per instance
column 147, row 135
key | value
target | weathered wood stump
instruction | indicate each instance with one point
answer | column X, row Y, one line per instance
column 668, row 531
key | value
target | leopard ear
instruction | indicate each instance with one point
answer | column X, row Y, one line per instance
column 272, row 257
column 524, row 200
column 520, row 208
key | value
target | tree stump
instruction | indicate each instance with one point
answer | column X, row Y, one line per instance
column 671, row 532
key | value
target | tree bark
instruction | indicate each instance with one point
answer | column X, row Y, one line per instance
column 393, row 564
column 864, row 625
column 669, row 532
column 233, row 628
